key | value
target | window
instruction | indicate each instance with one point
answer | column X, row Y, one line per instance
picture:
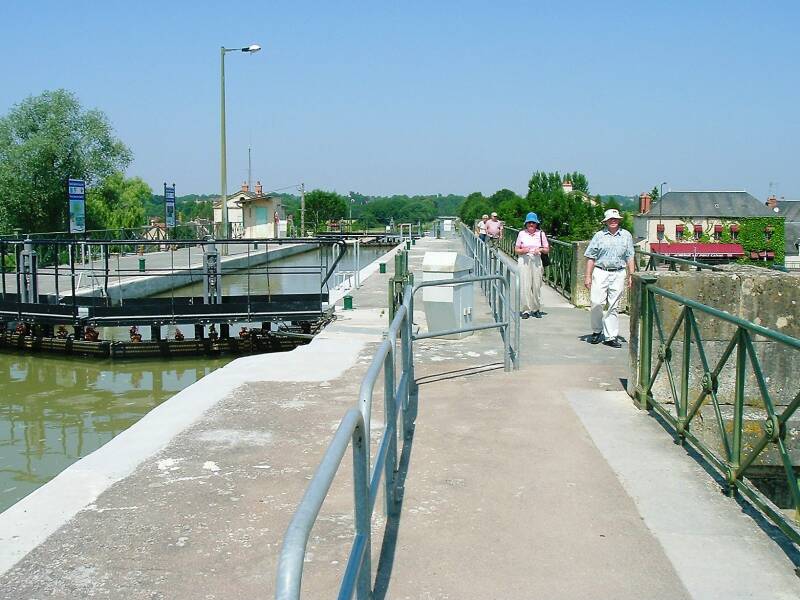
column 717, row 232
column 734, row 231
column 698, row 232
column 660, row 232
column 679, row 231
column 768, row 233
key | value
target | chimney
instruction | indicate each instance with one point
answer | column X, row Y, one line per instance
column 644, row 203
column 245, row 187
column 259, row 189
column 566, row 186
column 772, row 201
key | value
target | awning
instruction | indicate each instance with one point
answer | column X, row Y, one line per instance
column 692, row 250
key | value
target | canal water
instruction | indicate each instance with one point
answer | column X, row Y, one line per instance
column 54, row 411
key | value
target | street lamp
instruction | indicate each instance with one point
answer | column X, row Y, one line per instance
column 660, row 198
column 223, row 153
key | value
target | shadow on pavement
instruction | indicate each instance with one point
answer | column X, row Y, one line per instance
column 383, row 573
column 773, row 531
column 459, row 373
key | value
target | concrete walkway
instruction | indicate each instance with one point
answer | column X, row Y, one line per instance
column 543, row 483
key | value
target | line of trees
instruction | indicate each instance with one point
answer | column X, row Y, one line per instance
column 574, row 215
column 370, row 211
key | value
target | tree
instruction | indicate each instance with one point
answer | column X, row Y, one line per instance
column 117, row 203
column 322, row 206
column 45, row 140
column 570, row 216
column 473, row 208
column 509, row 207
column 654, row 194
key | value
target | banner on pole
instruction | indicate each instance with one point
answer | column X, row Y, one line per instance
column 76, row 192
column 169, row 204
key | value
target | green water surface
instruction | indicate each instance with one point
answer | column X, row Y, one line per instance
column 54, row 411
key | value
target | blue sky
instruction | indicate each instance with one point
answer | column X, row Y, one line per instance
column 430, row 97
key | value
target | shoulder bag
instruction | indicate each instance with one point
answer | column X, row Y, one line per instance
column 545, row 257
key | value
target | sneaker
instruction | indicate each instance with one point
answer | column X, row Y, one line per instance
column 525, row 315
column 538, row 314
column 613, row 342
column 595, row 338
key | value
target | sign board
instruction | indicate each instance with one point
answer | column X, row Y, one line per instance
column 169, row 204
column 76, row 192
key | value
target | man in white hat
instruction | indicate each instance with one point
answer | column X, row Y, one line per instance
column 494, row 229
column 609, row 269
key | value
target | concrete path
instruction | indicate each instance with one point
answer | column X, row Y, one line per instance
column 543, row 483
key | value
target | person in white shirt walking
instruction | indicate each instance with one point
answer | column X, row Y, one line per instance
column 531, row 244
column 482, row 228
column 609, row 269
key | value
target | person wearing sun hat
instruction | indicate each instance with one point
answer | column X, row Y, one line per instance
column 609, row 266
column 531, row 244
column 494, row 230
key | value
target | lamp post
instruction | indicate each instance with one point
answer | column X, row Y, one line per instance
column 223, row 153
column 660, row 199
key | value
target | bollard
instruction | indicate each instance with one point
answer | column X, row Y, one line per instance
column 383, row 267
column 348, row 302
column 408, row 244
column 141, row 264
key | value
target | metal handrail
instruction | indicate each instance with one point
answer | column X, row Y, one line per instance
column 109, row 275
column 400, row 407
column 488, row 261
column 736, row 454
column 655, row 258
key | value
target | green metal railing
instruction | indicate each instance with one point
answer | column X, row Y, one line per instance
column 741, row 443
column 653, row 261
column 558, row 274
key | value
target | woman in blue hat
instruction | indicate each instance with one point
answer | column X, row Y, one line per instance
column 530, row 245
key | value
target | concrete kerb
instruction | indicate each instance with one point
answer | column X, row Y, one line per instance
column 28, row 523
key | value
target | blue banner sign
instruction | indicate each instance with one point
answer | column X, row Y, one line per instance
column 76, row 192
column 169, row 204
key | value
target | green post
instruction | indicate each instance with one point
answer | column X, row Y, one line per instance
column 141, row 264
column 645, row 341
column 348, row 302
column 383, row 267
column 738, row 412
column 682, row 408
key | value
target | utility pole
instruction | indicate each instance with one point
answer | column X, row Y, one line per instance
column 303, row 210
column 249, row 170
column 223, row 195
